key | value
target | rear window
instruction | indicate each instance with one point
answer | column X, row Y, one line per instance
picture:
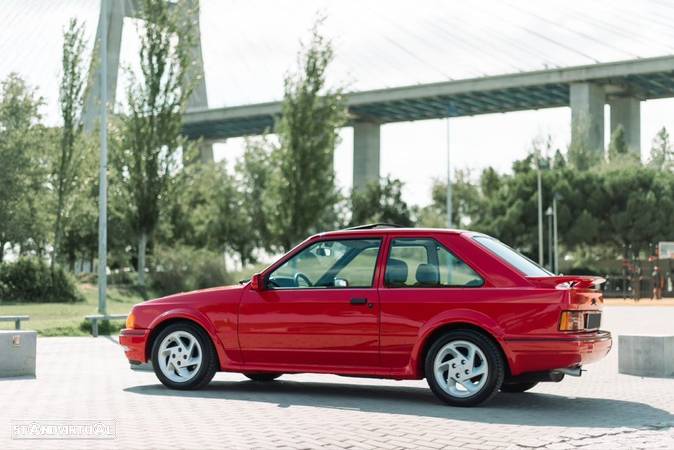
column 512, row 257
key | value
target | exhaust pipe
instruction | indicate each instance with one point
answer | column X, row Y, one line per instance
column 572, row 371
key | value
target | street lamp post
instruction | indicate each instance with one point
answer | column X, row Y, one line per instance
column 548, row 213
column 450, row 112
column 554, row 232
column 540, row 210
column 103, row 167
column 449, row 182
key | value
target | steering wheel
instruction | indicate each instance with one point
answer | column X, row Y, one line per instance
column 300, row 275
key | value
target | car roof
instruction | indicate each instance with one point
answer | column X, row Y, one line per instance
column 383, row 230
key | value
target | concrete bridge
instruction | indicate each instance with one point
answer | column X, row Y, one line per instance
column 586, row 89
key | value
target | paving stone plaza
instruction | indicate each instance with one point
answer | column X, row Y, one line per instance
column 87, row 380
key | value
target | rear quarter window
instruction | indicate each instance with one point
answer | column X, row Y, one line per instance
column 511, row 257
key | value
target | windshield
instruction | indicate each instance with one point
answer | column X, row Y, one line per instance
column 512, row 257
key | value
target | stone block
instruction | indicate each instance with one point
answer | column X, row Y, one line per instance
column 17, row 353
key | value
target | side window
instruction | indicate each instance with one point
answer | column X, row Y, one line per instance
column 454, row 272
column 403, row 259
column 360, row 271
column 426, row 263
column 329, row 264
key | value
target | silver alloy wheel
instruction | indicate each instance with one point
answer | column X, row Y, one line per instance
column 461, row 369
column 179, row 356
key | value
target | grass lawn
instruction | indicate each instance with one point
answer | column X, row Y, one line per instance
column 65, row 319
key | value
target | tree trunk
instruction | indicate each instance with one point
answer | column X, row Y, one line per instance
column 57, row 230
column 142, row 245
column 2, row 251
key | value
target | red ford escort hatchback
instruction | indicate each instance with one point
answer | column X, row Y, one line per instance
column 461, row 309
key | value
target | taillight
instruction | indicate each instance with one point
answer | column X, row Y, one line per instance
column 572, row 321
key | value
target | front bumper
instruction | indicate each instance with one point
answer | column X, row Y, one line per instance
column 540, row 354
column 134, row 342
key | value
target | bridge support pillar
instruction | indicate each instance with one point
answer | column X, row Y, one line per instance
column 365, row 154
column 92, row 102
column 587, row 116
column 626, row 111
column 118, row 10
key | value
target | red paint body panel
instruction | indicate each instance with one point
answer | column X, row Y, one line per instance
column 310, row 327
column 320, row 330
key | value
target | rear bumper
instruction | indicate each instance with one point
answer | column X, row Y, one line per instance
column 134, row 341
column 540, row 354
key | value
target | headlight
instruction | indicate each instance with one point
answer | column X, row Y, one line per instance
column 572, row 321
column 130, row 320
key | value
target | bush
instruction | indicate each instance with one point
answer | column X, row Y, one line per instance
column 30, row 280
column 105, row 327
column 182, row 268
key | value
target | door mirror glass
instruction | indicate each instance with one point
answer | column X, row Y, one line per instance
column 341, row 282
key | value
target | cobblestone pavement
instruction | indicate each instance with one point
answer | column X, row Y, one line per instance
column 87, row 378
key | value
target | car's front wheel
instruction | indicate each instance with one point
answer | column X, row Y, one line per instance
column 183, row 357
column 464, row 368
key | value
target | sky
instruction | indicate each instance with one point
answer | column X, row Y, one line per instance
column 249, row 45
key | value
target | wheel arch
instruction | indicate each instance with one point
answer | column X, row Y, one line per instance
column 438, row 330
column 169, row 319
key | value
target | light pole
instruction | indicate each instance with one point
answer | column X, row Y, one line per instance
column 554, row 232
column 103, row 167
column 539, row 166
column 449, row 183
column 548, row 213
column 540, row 215
column 450, row 113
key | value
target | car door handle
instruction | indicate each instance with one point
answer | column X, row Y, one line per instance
column 358, row 301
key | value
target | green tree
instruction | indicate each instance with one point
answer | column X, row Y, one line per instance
column 662, row 156
column 68, row 161
column 559, row 160
column 21, row 161
column 617, row 147
column 466, row 199
column 80, row 230
column 302, row 194
column 381, row 202
column 148, row 154
column 254, row 173
column 639, row 206
column 579, row 155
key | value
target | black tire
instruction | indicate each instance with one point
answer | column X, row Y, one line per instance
column 263, row 376
column 515, row 388
column 494, row 361
column 209, row 363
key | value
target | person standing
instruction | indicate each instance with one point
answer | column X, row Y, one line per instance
column 657, row 279
column 636, row 283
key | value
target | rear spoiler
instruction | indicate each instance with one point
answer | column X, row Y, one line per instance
column 575, row 281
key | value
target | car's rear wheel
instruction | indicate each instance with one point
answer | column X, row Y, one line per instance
column 517, row 387
column 263, row 376
column 464, row 368
column 183, row 356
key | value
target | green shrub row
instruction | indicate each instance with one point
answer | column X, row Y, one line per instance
column 182, row 268
column 31, row 280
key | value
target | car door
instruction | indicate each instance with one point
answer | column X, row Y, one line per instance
column 422, row 279
column 318, row 309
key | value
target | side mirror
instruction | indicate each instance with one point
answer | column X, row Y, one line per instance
column 323, row 251
column 340, row 282
column 256, row 282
